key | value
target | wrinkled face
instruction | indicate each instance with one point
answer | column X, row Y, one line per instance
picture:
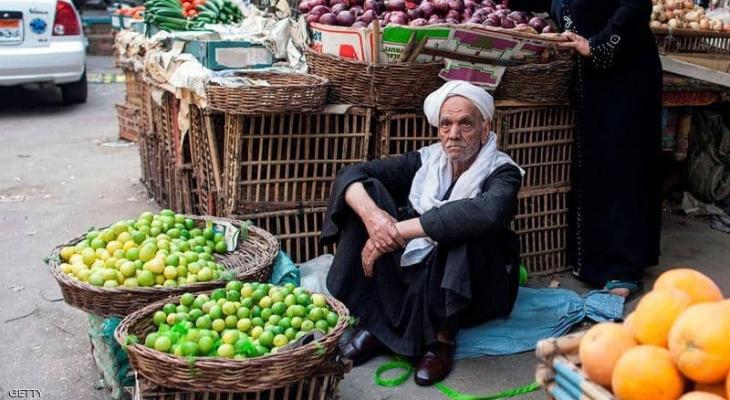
column 462, row 130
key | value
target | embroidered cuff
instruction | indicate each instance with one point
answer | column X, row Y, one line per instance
column 603, row 54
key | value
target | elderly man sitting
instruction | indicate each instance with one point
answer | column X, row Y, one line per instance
column 423, row 240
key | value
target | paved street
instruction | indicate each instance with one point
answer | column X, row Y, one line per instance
column 64, row 171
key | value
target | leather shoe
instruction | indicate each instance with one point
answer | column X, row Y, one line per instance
column 362, row 347
column 436, row 364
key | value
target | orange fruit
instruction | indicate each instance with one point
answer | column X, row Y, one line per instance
column 655, row 314
column 699, row 343
column 601, row 348
column 727, row 385
column 647, row 372
column 714, row 388
column 697, row 285
column 629, row 323
column 697, row 395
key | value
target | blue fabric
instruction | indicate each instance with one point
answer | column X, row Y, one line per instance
column 538, row 314
column 284, row 270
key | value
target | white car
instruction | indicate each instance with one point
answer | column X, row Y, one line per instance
column 42, row 42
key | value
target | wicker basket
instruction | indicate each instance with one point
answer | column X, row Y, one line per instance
column 549, row 83
column 691, row 41
column 559, row 372
column 206, row 144
column 130, row 121
column 279, row 162
column 297, row 230
column 224, row 375
column 251, row 261
column 542, row 226
column 322, row 386
column 286, row 93
column 402, row 85
column 135, row 87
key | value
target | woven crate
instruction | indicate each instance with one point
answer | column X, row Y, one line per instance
column 278, row 162
column 322, row 386
column 402, row 85
column 559, row 373
column 690, row 41
column 135, row 87
column 227, row 375
column 129, row 117
column 287, row 92
column 297, row 230
column 549, row 83
column 206, row 145
column 539, row 139
column 251, row 261
column 542, row 226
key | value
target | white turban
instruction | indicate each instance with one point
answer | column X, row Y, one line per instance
column 478, row 96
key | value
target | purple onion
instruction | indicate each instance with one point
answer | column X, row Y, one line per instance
column 467, row 14
column 328, row 19
column 493, row 20
column 501, row 13
column 488, row 10
column 346, row 3
column 345, row 18
column 398, row 18
column 385, row 17
column 427, row 9
column 305, row 7
column 473, row 20
column 488, row 3
column 453, row 14
column 470, row 5
column 418, row 22
column 312, row 18
column 452, row 21
column 518, row 16
column 315, row 3
column 537, row 23
column 320, row 10
column 396, row 5
column 435, row 19
column 523, row 27
column 337, row 8
column 501, row 7
column 547, row 29
column 507, row 23
column 368, row 16
column 414, row 13
column 457, row 5
column 359, row 24
column 357, row 10
column 371, row 5
column 441, row 6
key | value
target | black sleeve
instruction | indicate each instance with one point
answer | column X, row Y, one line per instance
column 607, row 43
column 530, row 5
column 396, row 174
column 491, row 211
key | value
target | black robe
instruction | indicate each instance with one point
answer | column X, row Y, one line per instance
column 616, row 210
column 470, row 277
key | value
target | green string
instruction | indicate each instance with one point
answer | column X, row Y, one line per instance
column 453, row 394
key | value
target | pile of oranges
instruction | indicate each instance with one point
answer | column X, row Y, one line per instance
column 675, row 345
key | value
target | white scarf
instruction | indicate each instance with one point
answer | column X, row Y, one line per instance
column 434, row 178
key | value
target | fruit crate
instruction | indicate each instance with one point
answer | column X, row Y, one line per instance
column 129, row 117
column 692, row 41
column 539, row 139
column 297, row 230
column 135, row 87
column 558, row 370
column 206, row 144
column 279, row 162
column 542, row 226
column 182, row 187
column 322, row 386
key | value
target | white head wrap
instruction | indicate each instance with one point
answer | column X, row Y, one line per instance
column 478, row 96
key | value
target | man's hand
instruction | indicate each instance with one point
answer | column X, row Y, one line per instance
column 577, row 43
column 382, row 231
column 370, row 254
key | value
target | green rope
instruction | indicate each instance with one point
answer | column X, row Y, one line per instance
column 453, row 394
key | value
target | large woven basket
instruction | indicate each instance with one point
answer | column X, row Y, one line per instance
column 538, row 83
column 401, row 85
column 286, row 93
column 251, row 261
column 691, row 41
column 213, row 374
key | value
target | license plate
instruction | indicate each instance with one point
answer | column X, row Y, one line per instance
column 11, row 27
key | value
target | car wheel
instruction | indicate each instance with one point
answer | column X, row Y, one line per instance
column 75, row 92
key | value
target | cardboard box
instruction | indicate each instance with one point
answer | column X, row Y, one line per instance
column 220, row 54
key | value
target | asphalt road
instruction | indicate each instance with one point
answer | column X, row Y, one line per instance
column 64, row 171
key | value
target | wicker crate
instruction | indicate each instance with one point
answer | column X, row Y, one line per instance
column 322, row 386
column 135, row 87
column 691, row 41
column 206, row 144
column 539, row 139
column 297, row 230
column 101, row 44
column 279, row 162
column 130, row 121
column 542, row 226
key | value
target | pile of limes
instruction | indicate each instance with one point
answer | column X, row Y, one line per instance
column 164, row 249
column 241, row 321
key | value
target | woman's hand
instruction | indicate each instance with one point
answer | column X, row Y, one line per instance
column 382, row 231
column 577, row 43
column 370, row 254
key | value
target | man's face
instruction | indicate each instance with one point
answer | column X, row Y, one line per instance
column 462, row 130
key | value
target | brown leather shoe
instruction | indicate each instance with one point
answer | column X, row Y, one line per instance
column 362, row 347
column 435, row 365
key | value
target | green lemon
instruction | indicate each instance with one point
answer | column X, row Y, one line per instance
column 316, row 314
column 307, row 325
column 322, row 325
column 231, row 321
column 296, row 322
column 332, row 318
column 243, row 324
column 145, row 278
column 163, row 343
column 230, row 336
column 266, row 338
column 218, row 325
column 216, row 312
column 203, row 322
column 280, row 340
column 159, row 317
column 189, row 348
column 205, row 344
column 303, row 299
column 220, row 247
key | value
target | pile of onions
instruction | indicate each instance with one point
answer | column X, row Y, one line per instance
column 360, row 13
column 683, row 14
